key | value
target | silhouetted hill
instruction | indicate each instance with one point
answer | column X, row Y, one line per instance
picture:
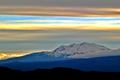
column 55, row 74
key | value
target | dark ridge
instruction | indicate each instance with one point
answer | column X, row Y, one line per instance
column 56, row 74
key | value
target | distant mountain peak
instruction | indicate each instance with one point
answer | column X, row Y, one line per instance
column 82, row 49
column 85, row 43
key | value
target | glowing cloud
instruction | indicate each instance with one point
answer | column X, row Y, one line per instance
column 58, row 22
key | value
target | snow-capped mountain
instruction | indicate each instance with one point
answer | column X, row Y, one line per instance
column 83, row 50
column 84, row 56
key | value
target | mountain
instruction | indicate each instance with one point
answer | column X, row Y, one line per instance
column 84, row 56
column 83, row 50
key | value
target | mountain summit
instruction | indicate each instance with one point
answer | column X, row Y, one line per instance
column 80, row 50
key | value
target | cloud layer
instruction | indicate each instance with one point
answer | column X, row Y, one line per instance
column 61, row 11
column 58, row 22
column 55, row 3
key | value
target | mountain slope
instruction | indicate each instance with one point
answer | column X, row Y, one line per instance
column 105, row 64
column 34, row 57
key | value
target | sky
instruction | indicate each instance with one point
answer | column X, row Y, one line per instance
column 64, row 3
column 58, row 22
column 61, row 7
column 31, row 25
column 34, row 33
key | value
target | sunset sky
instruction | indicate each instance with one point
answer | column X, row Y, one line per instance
column 31, row 33
column 30, row 25
column 58, row 22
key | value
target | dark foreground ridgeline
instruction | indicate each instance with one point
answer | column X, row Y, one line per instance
column 56, row 74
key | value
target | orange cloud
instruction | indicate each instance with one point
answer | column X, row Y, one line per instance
column 60, row 26
column 61, row 11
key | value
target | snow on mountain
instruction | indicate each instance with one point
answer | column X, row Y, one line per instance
column 83, row 50
column 112, row 53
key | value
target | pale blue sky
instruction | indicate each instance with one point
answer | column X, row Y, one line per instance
column 17, row 19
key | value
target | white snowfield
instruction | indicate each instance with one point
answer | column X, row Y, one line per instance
column 84, row 50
